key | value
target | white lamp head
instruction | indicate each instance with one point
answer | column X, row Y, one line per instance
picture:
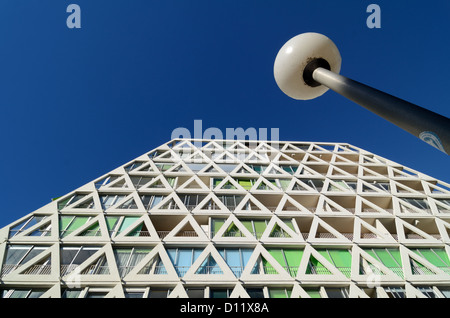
column 307, row 50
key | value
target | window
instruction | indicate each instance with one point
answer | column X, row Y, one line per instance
column 73, row 256
column 313, row 292
column 150, row 201
column 195, row 167
column 279, row 293
column 445, row 206
column 17, row 255
column 134, row 166
column 289, row 169
column 395, row 292
column 70, row 223
column 342, row 185
column 421, row 204
column 195, row 292
column 96, row 294
column 336, row 292
column 88, row 204
column 256, row 227
column 255, row 292
column 288, row 258
column 389, row 257
column 382, row 185
column 231, row 201
column 128, row 258
column 191, row 200
column 428, row 291
column 316, row 184
column 340, row 258
column 436, row 256
column 445, row 291
column 109, row 200
column 220, row 293
column 28, row 223
column 163, row 167
column 22, row 293
column 159, row 292
column 227, row 167
column 71, row 293
column 131, row 293
column 183, row 258
column 138, row 181
column 236, row 258
column 258, row 168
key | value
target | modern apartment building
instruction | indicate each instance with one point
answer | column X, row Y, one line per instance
column 238, row 219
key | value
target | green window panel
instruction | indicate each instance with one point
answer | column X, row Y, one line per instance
column 277, row 231
column 340, row 258
column 260, row 227
column 246, row 184
column 137, row 230
column 316, row 267
column 268, row 268
column 74, row 224
column 216, row 182
column 389, row 257
column 233, row 231
column 288, row 258
column 293, row 257
column 248, row 225
column 93, row 230
column 217, row 224
column 127, row 221
column 64, row 221
column 111, row 221
column 279, row 293
column 437, row 257
column 313, row 293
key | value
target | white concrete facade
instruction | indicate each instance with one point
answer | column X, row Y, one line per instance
column 238, row 219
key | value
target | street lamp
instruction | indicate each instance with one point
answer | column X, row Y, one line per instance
column 308, row 65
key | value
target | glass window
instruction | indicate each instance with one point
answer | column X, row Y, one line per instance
column 71, row 293
column 255, row 292
column 427, row 291
column 279, row 293
column 220, row 293
column 128, row 258
column 183, row 258
column 22, row 293
column 395, row 292
column 24, row 225
column 236, row 258
column 195, row 292
column 159, row 292
column 336, row 292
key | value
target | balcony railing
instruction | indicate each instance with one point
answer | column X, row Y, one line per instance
column 163, row 234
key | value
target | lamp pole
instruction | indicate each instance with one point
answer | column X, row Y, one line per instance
column 309, row 64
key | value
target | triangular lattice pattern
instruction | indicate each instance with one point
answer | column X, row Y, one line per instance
column 218, row 218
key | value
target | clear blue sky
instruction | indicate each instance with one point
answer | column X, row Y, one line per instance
column 77, row 103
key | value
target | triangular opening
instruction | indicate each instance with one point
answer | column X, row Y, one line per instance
column 186, row 231
column 93, row 230
column 209, row 267
column 154, row 267
column 128, row 204
column 140, row 231
column 279, row 232
column 316, row 268
column 263, row 266
column 41, row 267
column 97, row 267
